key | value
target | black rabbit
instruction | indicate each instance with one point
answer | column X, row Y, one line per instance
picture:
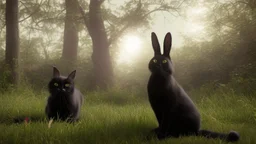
column 175, row 111
column 65, row 101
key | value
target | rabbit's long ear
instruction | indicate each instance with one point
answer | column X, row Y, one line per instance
column 155, row 44
column 56, row 72
column 72, row 75
column 167, row 44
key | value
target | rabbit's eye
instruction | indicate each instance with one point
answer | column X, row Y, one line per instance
column 164, row 61
column 154, row 60
column 56, row 84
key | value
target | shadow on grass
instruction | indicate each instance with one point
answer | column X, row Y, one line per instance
column 119, row 132
column 20, row 119
column 116, row 97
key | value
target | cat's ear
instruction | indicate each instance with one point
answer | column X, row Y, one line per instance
column 56, row 72
column 72, row 75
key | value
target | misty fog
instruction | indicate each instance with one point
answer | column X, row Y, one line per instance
column 108, row 43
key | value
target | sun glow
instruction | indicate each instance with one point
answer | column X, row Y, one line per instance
column 197, row 11
column 130, row 47
column 195, row 22
column 195, row 28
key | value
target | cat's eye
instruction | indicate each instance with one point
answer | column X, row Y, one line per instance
column 154, row 60
column 56, row 84
column 164, row 61
column 67, row 85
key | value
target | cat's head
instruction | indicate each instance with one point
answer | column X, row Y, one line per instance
column 161, row 63
column 61, row 84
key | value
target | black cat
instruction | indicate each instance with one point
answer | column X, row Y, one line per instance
column 175, row 111
column 65, row 101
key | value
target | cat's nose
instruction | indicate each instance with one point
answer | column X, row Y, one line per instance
column 63, row 89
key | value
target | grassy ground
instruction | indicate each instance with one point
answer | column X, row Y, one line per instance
column 121, row 118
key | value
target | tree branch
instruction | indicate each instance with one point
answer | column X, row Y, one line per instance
column 34, row 12
column 115, row 36
column 120, row 32
column 85, row 17
column 51, row 18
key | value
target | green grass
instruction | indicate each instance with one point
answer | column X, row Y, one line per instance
column 120, row 117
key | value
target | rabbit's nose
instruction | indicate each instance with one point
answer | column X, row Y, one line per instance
column 158, row 65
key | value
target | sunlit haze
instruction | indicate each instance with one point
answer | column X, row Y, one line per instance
column 129, row 48
column 166, row 22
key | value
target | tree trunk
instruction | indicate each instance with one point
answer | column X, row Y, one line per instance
column 69, row 53
column 12, row 40
column 102, row 66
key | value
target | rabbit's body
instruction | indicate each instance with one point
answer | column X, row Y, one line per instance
column 175, row 111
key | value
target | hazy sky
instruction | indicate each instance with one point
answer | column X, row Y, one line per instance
column 165, row 22
column 192, row 26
